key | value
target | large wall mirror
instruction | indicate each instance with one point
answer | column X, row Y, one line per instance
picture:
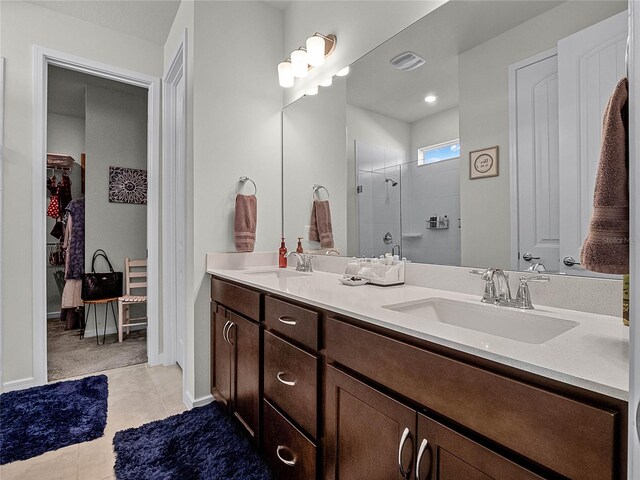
column 471, row 138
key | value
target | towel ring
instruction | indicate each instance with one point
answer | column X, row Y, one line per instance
column 317, row 187
column 244, row 179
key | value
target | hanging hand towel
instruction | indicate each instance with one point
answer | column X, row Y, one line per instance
column 244, row 225
column 321, row 229
column 606, row 248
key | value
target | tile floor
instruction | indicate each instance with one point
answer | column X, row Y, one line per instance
column 137, row 395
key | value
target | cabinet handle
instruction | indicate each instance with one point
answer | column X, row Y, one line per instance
column 286, row 382
column 403, row 440
column 224, row 331
column 423, row 447
column 231, row 325
column 287, row 320
column 289, row 463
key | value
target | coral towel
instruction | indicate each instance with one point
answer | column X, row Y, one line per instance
column 606, row 248
column 244, row 224
column 321, row 229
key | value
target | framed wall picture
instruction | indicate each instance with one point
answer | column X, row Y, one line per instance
column 127, row 185
column 483, row 163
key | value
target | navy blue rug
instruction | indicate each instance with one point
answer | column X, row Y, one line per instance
column 203, row 443
column 40, row 419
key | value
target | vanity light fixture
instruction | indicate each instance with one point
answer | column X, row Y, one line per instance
column 327, row 82
column 313, row 90
column 285, row 74
column 299, row 63
column 317, row 48
column 431, row 98
column 344, row 72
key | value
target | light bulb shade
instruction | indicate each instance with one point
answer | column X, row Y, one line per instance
column 299, row 63
column 344, row 72
column 327, row 82
column 315, row 50
column 312, row 90
column 285, row 74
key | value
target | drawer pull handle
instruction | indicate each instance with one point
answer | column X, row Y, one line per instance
column 287, row 321
column 224, row 331
column 289, row 463
column 286, row 382
column 231, row 325
column 423, row 447
column 405, row 473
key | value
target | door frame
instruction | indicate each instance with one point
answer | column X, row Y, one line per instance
column 42, row 58
column 174, row 167
column 513, row 148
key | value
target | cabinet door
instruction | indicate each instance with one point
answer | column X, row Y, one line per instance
column 244, row 335
column 447, row 455
column 366, row 432
column 220, row 355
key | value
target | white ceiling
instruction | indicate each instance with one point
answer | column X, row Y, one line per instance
column 439, row 37
column 67, row 90
column 146, row 19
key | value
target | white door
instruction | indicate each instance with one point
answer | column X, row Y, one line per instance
column 536, row 154
column 590, row 64
column 181, row 223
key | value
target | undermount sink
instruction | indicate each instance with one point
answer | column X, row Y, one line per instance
column 503, row 322
column 276, row 273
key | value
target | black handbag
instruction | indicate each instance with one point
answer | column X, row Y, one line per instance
column 98, row 286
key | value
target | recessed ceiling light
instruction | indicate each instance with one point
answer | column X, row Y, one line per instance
column 432, row 97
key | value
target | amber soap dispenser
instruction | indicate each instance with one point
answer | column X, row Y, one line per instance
column 282, row 255
column 300, row 249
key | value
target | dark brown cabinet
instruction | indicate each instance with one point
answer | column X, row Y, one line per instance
column 236, row 368
column 369, row 435
column 443, row 454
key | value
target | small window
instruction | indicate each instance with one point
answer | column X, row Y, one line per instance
column 439, row 152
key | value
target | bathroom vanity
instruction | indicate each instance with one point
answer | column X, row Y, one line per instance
column 334, row 382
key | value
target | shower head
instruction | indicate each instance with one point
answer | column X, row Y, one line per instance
column 393, row 182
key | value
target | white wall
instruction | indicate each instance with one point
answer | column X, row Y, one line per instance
column 359, row 25
column 432, row 189
column 484, row 121
column 23, row 25
column 65, row 134
column 380, row 133
column 237, row 131
column 313, row 150
column 116, row 135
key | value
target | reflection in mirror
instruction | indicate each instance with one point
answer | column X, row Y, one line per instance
column 472, row 137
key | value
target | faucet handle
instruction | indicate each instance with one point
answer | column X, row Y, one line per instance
column 523, row 297
column 536, row 278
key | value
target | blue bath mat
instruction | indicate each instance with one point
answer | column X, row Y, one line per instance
column 40, row 419
column 203, row 443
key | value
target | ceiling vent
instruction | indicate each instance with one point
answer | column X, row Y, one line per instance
column 407, row 61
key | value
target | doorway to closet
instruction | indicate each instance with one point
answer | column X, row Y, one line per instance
column 96, row 220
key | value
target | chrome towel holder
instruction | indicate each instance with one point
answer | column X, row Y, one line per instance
column 242, row 181
column 316, row 187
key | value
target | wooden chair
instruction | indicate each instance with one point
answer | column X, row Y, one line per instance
column 135, row 278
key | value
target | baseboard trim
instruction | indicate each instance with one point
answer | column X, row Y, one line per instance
column 52, row 315
column 110, row 330
column 190, row 402
column 19, row 384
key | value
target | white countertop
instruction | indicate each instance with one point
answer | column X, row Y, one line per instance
column 593, row 355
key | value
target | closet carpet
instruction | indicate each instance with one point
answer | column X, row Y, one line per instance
column 68, row 356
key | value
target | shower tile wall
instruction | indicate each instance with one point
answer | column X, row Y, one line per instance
column 379, row 201
column 428, row 190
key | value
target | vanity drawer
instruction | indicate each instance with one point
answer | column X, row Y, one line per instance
column 242, row 300
column 572, row 438
column 291, row 381
column 292, row 321
column 289, row 453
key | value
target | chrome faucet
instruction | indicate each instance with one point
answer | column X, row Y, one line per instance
column 498, row 292
column 304, row 261
column 537, row 267
column 393, row 250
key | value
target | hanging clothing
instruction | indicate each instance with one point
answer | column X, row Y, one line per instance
column 72, row 291
column 74, row 240
column 53, row 210
column 64, row 191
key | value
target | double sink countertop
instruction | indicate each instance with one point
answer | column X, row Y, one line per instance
column 594, row 354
